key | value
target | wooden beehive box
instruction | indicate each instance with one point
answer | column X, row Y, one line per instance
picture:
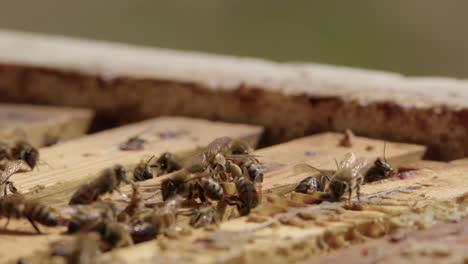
column 288, row 112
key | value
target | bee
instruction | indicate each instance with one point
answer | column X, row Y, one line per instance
column 157, row 221
column 83, row 249
column 143, row 171
column 347, row 177
column 15, row 206
column 113, row 233
column 86, row 217
column 380, row 170
column 248, row 195
column 190, row 186
column 223, row 145
column 10, row 169
column 107, row 182
column 316, row 183
column 205, row 214
column 238, row 147
column 19, row 150
column 168, row 163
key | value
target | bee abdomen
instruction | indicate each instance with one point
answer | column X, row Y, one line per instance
column 143, row 172
column 308, row 183
column 212, row 189
column 41, row 214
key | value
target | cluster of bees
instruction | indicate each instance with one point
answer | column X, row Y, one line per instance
column 350, row 174
column 224, row 175
column 202, row 187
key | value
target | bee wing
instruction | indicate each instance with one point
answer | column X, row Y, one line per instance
column 10, row 169
column 218, row 145
column 301, row 168
column 358, row 165
column 269, row 167
column 348, row 160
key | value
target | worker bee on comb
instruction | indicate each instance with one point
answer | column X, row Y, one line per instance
column 107, row 182
column 16, row 206
column 347, row 177
column 316, row 183
column 19, row 150
column 380, row 170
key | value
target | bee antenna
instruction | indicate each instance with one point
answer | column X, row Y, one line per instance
column 384, row 147
column 150, row 160
column 46, row 163
column 336, row 163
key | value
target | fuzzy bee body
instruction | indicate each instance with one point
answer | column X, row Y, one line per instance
column 16, row 207
column 107, row 182
column 378, row 171
column 248, row 195
column 168, row 163
column 212, row 189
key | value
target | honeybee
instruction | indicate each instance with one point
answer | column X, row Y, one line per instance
column 113, row 233
column 157, row 221
column 10, row 169
column 205, row 214
column 191, row 185
column 19, row 150
column 380, row 170
column 143, row 171
column 84, row 218
column 223, row 145
column 107, row 182
column 83, row 249
column 15, row 206
column 168, row 163
column 248, row 195
column 347, row 177
column 316, row 182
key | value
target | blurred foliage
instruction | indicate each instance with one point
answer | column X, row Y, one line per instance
column 421, row 37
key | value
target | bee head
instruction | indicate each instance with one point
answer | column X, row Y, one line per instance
column 163, row 161
column 380, row 163
column 338, row 188
column 31, row 156
column 121, row 173
column 169, row 188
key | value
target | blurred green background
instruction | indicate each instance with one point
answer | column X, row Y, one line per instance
column 420, row 37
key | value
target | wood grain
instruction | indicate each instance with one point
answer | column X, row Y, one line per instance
column 36, row 123
column 126, row 83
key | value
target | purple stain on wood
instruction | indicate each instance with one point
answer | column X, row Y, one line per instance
column 311, row 153
column 133, row 143
column 169, row 134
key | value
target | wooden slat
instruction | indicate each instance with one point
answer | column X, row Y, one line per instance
column 431, row 196
column 318, row 150
column 76, row 161
column 38, row 122
column 290, row 100
column 287, row 155
column 442, row 243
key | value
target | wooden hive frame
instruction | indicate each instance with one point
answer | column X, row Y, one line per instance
column 286, row 227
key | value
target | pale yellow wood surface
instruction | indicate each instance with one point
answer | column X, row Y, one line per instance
column 38, row 122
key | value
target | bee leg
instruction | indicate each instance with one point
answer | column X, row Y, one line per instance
column 12, row 187
column 34, row 225
column 201, row 194
column 358, row 188
column 6, row 224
